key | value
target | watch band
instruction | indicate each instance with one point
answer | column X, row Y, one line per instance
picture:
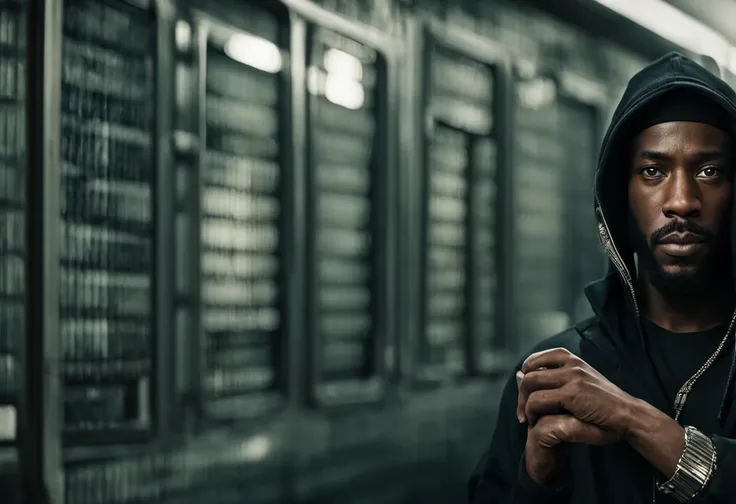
column 694, row 469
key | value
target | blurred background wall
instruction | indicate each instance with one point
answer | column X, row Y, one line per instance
column 287, row 251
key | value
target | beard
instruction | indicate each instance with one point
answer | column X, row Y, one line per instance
column 710, row 272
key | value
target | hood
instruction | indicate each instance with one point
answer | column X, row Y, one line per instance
column 671, row 72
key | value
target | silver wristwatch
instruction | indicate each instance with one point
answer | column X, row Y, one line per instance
column 694, row 469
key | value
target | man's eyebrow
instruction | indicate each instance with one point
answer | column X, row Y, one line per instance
column 700, row 157
column 653, row 155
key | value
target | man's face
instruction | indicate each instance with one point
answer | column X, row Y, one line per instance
column 680, row 191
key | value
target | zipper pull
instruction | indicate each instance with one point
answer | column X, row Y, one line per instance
column 680, row 400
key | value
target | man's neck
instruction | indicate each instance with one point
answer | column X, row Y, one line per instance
column 687, row 313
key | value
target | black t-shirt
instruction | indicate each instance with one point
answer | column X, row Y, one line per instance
column 676, row 357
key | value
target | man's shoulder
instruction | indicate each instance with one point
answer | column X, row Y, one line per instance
column 572, row 337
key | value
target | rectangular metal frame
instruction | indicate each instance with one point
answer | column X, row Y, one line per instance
column 573, row 87
column 41, row 413
column 592, row 95
column 159, row 319
column 288, row 279
column 495, row 57
column 374, row 389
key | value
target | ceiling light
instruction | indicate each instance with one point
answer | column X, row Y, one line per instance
column 674, row 25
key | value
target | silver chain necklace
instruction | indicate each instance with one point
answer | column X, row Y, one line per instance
column 681, row 397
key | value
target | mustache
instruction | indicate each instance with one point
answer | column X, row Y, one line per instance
column 678, row 226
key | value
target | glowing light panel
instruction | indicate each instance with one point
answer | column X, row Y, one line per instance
column 676, row 26
column 254, row 51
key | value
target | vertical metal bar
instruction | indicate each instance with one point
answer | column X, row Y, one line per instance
column 381, row 173
column 504, row 101
column 412, row 129
column 312, row 294
column 471, row 347
column 42, row 411
column 295, row 257
column 197, row 361
column 421, row 186
column 392, row 199
column 164, row 201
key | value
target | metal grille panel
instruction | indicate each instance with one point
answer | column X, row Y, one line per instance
column 446, row 322
column 106, row 206
column 586, row 258
column 241, row 225
column 12, row 215
column 538, row 222
column 343, row 84
column 485, row 206
column 461, row 217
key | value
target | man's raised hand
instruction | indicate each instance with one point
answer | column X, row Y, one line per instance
column 568, row 385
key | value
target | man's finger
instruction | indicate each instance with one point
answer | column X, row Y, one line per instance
column 538, row 380
column 552, row 430
column 545, row 402
column 556, row 357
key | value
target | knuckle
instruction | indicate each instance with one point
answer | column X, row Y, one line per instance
column 574, row 360
column 561, row 352
column 578, row 371
column 578, row 376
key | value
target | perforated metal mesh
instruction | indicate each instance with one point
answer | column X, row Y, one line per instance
column 343, row 81
column 106, row 205
column 241, row 225
column 12, row 215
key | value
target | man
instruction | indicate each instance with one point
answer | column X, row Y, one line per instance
column 636, row 404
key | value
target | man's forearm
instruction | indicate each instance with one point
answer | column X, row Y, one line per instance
column 655, row 436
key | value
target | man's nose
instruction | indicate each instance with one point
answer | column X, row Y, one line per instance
column 683, row 196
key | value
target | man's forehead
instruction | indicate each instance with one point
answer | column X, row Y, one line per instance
column 690, row 137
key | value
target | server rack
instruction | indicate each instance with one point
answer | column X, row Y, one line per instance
column 350, row 208
column 236, row 178
column 465, row 255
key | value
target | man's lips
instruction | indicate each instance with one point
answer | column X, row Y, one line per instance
column 681, row 244
column 681, row 239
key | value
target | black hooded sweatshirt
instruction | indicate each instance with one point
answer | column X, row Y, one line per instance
column 614, row 343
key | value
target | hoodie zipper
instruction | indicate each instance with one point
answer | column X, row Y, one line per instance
column 610, row 247
column 618, row 262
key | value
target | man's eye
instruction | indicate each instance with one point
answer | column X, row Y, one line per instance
column 651, row 171
column 709, row 172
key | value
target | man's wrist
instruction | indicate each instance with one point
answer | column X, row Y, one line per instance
column 655, row 435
